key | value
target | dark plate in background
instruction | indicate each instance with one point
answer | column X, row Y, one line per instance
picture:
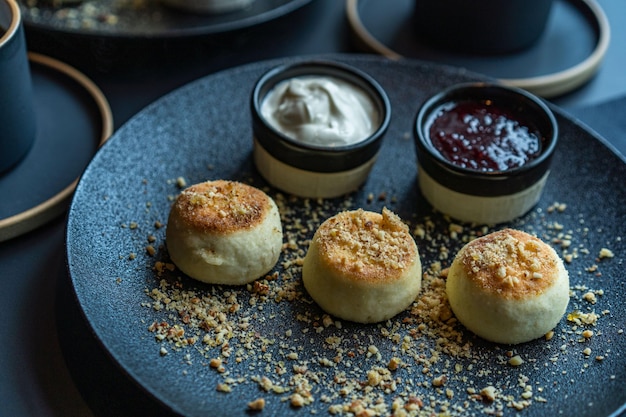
column 202, row 131
column 156, row 21
column 163, row 41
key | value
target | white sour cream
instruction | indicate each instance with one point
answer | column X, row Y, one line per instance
column 320, row 110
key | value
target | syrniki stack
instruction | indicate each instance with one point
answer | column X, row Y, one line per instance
column 508, row 287
column 363, row 266
column 224, row 232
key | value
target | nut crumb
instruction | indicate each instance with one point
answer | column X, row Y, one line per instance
column 257, row 405
column 605, row 253
column 488, row 393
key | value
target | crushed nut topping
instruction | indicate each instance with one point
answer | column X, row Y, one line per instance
column 269, row 335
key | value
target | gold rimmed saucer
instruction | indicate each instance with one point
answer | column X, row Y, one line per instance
column 548, row 85
column 16, row 220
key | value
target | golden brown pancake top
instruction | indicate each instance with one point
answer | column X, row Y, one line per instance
column 222, row 207
column 510, row 263
column 366, row 246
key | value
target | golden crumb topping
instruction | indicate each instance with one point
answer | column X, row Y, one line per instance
column 511, row 263
column 222, row 206
column 366, row 245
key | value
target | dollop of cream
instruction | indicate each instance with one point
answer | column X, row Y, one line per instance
column 321, row 110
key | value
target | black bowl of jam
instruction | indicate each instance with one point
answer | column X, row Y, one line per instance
column 484, row 151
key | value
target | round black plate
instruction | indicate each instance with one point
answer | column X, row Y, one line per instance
column 156, row 21
column 202, row 131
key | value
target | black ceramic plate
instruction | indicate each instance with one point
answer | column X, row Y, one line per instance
column 566, row 55
column 202, row 131
column 151, row 20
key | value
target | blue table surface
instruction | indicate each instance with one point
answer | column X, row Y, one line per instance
column 34, row 377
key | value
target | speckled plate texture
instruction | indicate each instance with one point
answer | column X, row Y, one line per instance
column 273, row 330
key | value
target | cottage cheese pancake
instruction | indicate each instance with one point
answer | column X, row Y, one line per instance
column 224, row 232
column 508, row 287
column 363, row 266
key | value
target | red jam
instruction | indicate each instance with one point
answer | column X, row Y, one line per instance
column 483, row 137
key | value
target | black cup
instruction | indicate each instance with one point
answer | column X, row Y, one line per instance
column 482, row 26
column 18, row 126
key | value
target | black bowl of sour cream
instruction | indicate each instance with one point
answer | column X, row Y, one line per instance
column 484, row 151
column 318, row 127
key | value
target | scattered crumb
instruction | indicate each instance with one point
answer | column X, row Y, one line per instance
column 605, row 253
column 257, row 405
column 516, row 360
